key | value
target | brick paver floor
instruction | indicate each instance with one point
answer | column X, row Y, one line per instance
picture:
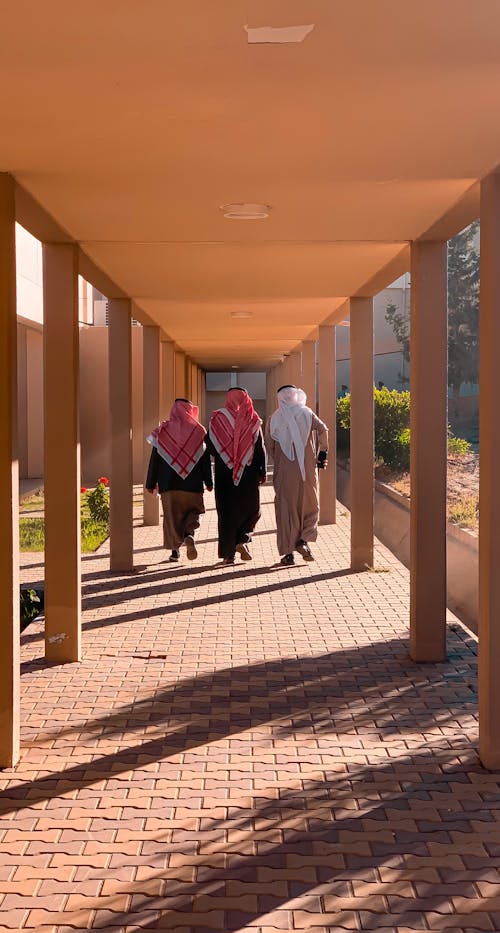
column 248, row 749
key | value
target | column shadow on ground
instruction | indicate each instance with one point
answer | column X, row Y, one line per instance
column 309, row 692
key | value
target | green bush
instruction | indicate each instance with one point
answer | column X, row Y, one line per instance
column 392, row 418
column 458, row 446
column 98, row 501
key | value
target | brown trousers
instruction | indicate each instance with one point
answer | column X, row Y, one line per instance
column 181, row 516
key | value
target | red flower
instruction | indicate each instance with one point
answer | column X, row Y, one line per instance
column 83, row 489
column 104, row 480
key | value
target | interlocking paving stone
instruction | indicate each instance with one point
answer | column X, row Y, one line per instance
column 248, row 748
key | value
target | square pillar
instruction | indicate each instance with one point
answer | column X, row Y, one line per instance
column 269, row 393
column 428, row 427
column 120, row 403
column 150, row 411
column 362, row 453
column 9, row 483
column 308, row 376
column 62, row 453
column 180, row 374
column 167, row 378
column 295, row 359
column 328, row 414
column 199, row 376
column 489, row 486
column 194, row 383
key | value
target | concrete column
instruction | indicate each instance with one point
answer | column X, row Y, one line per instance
column 308, row 376
column 199, row 378
column 194, row 383
column 120, row 403
column 295, row 367
column 150, row 411
column 180, row 374
column 9, row 484
column 62, row 453
column 328, row 414
column 362, row 455
column 167, row 378
column 489, row 486
column 269, row 393
column 428, row 425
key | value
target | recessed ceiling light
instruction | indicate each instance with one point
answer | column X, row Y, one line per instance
column 277, row 35
column 241, row 314
column 235, row 367
column 246, row 211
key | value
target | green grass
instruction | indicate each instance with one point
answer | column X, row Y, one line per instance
column 93, row 534
column 32, row 537
column 31, row 534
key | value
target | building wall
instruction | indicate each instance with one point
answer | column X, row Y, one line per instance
column 389, row 365
column 95, row 425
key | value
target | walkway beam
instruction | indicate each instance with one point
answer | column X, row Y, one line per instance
column 328, row 414
column 62, row 453
column 428, row 424
column 9, row 483
column 361, row 457
column 120, row 403
column 150, row 411
column 489, row 485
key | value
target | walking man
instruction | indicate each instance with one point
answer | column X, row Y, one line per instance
column 179, row 467
column 297, row 441
column 235, row 440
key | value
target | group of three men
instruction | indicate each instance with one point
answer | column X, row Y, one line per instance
column 180, row 468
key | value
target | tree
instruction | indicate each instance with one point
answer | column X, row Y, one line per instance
column 463, row 311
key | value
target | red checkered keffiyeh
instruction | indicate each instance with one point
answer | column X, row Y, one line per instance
column 180, row 439
column 234, row 430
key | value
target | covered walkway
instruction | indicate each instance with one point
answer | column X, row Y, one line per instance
column 248, row 748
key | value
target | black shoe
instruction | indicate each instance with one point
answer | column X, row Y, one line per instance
column 305, row 550
column 288, row 560
column 227, row 560
column 191, row 552
column 174, row 555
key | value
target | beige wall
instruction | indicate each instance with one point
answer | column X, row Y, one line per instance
column 22, row 400
column 30, row 399
column 94, row 402
column 35, row 402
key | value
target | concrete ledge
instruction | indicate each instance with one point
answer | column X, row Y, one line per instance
column 392, row 527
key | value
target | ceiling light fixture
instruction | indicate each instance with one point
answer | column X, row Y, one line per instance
column 277, row 35
column 241, row 314
column 245, row 211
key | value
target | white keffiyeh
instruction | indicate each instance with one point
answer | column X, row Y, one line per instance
column 291, row 424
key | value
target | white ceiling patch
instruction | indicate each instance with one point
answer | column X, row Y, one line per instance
column 276, row 35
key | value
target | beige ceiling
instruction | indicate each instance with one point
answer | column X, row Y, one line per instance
column 132, row 122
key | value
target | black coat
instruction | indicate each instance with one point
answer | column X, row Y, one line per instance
column 162, row 475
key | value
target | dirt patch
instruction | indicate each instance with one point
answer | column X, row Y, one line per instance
column 463, row 488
